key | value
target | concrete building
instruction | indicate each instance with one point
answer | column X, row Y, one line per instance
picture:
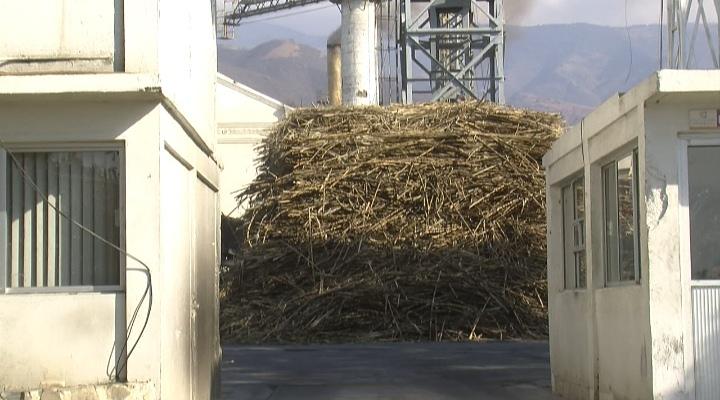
column 244, row 118
column 633, row 254
column 108, row 123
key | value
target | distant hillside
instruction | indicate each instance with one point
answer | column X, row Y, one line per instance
column 290, row 72
column 251, row 34
column 561, row 68
column 573, row 68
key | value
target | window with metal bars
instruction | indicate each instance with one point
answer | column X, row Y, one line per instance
column 40, row 245
column 573, row 205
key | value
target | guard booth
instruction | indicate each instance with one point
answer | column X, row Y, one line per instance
column 633, row 198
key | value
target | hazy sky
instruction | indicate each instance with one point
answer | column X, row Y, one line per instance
column 325, row 17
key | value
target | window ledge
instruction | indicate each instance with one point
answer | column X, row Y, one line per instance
column 22, row 87
column 575, row 290
column 63, row 290
column 622, row 284
column 705, row 283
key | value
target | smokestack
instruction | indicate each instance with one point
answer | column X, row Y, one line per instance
column 334, row 70
column 359, row 75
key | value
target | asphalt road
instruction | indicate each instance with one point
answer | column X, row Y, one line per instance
column 483, row 371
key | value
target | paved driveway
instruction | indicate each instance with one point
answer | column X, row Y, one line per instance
column 485, row 371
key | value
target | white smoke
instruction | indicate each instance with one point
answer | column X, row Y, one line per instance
column 517, row 10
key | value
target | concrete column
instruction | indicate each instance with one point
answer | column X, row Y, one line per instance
column 359, row 71
column 334, row 69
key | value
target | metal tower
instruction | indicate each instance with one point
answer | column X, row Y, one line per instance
column 426, row 50
column 452, row 49
column 685, row 20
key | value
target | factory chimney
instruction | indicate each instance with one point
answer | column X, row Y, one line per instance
column 334, row 68
column 359, row 73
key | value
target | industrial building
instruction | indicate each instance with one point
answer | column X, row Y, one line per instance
column 634, row 288
column 109, row 216
column 244, row 118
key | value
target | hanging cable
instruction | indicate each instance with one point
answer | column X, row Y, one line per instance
column 630, row 45
column 121, row 363
column 662, row 31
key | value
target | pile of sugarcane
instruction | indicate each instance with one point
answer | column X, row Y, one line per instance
column 421, row 222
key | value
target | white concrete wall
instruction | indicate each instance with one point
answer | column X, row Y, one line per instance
column 71, row 344
column 621, row 312
column 189, row 257
column 140, row 36
column 176, row 303
column 71, row 337
column 600, row 336
column 59, row 35
column 662, row 199
column 207, row 310
column 671, row 339
column 571, row 353
column 67, row 340
column 240, row 106
column 173, row 227
column 244, row 118
column 239, row 157
column 187, row 61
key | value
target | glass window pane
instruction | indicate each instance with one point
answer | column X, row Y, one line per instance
column 579, row 225
column 704, row 198
column 579, row 187
column 47, row 249
column 626, row 217
column 610, row 199
column 581, row 269
column 568, row 233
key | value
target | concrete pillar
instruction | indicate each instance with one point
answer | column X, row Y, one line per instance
column 359, row 71
column 334, row 69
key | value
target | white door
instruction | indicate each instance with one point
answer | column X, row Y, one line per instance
column 700, row 222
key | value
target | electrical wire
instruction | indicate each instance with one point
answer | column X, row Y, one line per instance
column 121, row 363
column 662, row 17
column 630, row 45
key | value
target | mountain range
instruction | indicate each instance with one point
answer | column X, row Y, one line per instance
column 569, row 69
column 289, row 71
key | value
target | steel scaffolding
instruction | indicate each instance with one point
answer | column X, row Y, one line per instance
column 685, row 19
column 452, row 49
column 250, row 8
column 388, row 31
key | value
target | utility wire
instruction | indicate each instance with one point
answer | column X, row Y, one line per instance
column 630, row 45
column 662, row 17
column 121, row 364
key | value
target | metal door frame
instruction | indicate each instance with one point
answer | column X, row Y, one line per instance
column 685, row 141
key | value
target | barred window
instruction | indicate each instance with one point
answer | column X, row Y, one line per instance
column 43, row 249
column 573, row 205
